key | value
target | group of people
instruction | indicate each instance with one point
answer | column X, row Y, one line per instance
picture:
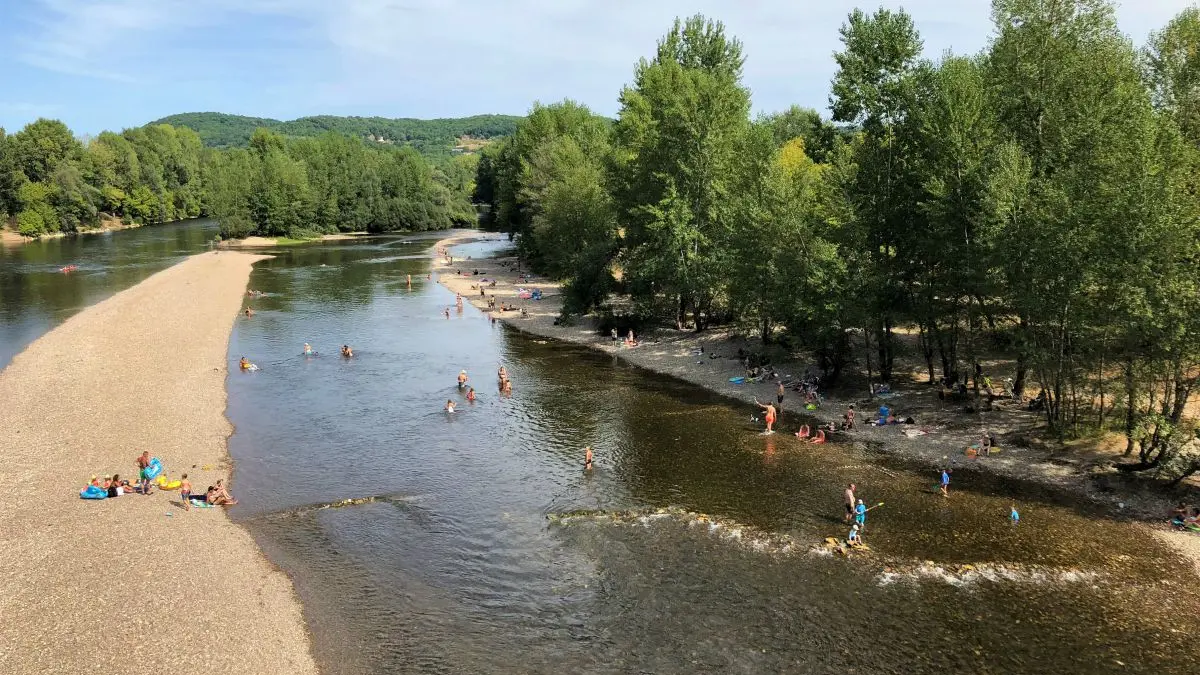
column 502, row 381
column 1185, row 517
column 115, row 486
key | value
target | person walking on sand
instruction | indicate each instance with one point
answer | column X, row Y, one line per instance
column 946, row 482
column 779, row 391
column 143, row 463
column 850, row 417
column 185, row 492
column 849, row 494
column 769, row 416
column 1013, row 516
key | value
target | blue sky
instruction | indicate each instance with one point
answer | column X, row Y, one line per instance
column 111, row 64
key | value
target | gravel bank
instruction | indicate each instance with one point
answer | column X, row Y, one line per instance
column 676, row 353
column 136, row 581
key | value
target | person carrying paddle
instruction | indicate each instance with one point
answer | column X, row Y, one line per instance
column 860, row 515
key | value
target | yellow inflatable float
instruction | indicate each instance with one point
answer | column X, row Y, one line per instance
column 164, row 484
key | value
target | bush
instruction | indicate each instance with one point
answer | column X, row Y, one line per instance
column 30, row 223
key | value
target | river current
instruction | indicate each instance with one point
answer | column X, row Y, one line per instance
column 479, row 544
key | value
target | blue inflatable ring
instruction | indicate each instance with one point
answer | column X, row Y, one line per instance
column 93, row 492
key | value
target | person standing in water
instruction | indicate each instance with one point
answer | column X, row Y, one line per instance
column 462, row 379
column 308, row 350
column 447, row 312
column 850, row 501
column 346, row 351
column 409, row 279
column 769, row 416
column 502, row 374
column 471, row 395
column 449, row 406
column 587, row 458
column 945, row 482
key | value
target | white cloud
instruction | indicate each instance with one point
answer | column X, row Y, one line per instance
column 392, row 52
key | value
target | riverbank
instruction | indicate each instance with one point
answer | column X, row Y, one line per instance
column 134, row 581
column 273, row 242
column 940, row 436
column 11, row 238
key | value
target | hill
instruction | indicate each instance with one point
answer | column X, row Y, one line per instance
column 437, row 136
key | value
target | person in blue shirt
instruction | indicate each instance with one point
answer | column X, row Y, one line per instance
column 860, row 515
column 945, row 482
column 884, row 411
column 1013, row 515
column 854, row 539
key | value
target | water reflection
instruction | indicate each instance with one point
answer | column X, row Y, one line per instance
column 459, row 569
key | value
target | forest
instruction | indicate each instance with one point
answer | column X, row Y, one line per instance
column 430, row 137
column 1039, row 199
column 51, row 182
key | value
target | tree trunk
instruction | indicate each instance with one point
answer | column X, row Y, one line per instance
column 1130, row 402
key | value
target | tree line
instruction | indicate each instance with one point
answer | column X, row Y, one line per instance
column 51, row 181
column 1038, row 198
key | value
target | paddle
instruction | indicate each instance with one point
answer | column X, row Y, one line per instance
column 876, row 506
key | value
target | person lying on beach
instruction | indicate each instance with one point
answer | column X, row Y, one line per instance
column 346, row 351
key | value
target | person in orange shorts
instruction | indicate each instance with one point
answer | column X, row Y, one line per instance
column 770, row 415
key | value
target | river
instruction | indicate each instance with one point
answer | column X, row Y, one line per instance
column 692, row 547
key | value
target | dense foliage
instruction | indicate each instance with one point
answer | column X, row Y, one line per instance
column 333, row 183
column 52, row 182
column 432, row 137
column 1041, row 197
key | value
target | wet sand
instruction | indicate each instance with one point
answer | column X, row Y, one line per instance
column 675, row 353
column 134, row 582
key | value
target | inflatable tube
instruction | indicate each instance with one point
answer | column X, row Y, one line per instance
column 93, row 492
column 737, row 380
column 154, row 469
column 170, row 485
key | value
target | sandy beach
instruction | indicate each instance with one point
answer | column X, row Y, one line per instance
column 945, row 435
column 134, row 582
column 272, row 242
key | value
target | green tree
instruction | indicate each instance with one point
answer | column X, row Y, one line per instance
column 41, row 146
column 678, row 131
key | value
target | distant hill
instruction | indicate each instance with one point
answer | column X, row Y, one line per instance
column 438, row 136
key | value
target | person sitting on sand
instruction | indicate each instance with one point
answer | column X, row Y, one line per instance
column 449, row 406
column 804, row 431
column 855, row 539
column 819, row 438
column 346, row 351
column 471, row 394
column 220, row 496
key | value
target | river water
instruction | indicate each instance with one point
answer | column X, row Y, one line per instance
column 692, row 547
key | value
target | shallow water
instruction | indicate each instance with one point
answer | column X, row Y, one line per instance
column 35, row 296
column 694, row 545
column 465, row 564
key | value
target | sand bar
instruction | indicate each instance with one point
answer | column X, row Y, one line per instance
column 119, row 583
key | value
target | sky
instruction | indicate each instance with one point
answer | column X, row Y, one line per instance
column 113, row 64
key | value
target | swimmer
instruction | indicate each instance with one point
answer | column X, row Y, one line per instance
column 346, row 351
column 449, row 406
column 946, row 482
column 446, row 312
column 502, row 374
column 471, row 394
column 506, row 387
column 1013, row 515
column 850, row 501
column 245, row 363
column 770, row 416
column 855, row 539
column 462, row 379
column 587, row 458
column 308, row 350
column 804, row 431
column 249, row 312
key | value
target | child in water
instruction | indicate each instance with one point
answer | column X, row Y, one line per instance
column 346, row 351
column 449, row 406
column 471, row 394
